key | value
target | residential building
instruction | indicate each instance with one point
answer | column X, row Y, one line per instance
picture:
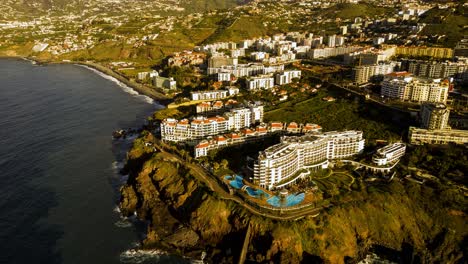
column 461, row 50
column 378, row 40
column 339, row 41
column 248, row 135
column 282, row 163
column 209, row 95
column 220, row 60
column 434, row 69
column 331, row 41
column 163, row 82
column 286, row 77
column 434, row 116
column 389, row 154
column 330, row 52
column 260, row 82
column 419, row 136
column 201, row 127
column 403, row 86
column 223, row 76
column 366, row 73
column 442, row 53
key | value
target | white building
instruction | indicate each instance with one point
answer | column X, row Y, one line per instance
column 389, row 154
column 419, row 136
column 223, row 76
column 283, row 163
column 260, row 82
column 365, row 73
column 331, row 41
column 209, row 95
column 403, row 86
column 378, row 40
column 339, row 41
column 200, row 127
column 163, row 82
column 330, row 52
column 434, row 116
column 286, row 77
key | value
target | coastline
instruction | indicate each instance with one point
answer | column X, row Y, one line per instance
column 140, row 88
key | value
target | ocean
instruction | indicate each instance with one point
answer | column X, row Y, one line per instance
column 59, row 180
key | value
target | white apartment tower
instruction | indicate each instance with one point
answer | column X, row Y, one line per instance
column 434, row 116
column 286, row 77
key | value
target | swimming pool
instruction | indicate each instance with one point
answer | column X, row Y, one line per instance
column 290, row 200
column 237, row 183
column 256, row 193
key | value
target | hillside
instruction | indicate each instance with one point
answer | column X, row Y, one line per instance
column 446, row 22
column 401, row 220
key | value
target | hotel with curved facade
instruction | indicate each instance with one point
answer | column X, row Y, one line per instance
column 283, row 163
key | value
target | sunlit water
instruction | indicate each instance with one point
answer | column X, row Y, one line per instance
column 59, row 165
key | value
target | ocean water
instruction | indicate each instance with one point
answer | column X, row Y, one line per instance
column 59, row 165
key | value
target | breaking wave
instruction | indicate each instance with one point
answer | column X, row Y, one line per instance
column 140, row 255
column 122, row 85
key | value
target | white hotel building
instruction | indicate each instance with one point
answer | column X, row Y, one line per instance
column 403, row 86
column 283, row 162
column 389, row 154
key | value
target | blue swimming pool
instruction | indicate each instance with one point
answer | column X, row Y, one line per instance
column 237, row 183
column 290, row 200
column 228, row 178
column 256, row 193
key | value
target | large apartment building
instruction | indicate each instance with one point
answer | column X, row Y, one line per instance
column 283, row 162
column 260, row 82
column 405, row 87
column 434, row 69
column 419, row 136
column 434, row 116
column 443, row 53
column 286, row 77
column 200, row 127
column 365, row 73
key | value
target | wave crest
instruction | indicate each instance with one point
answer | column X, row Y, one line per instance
column 122, row 85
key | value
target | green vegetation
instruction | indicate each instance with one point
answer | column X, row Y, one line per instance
column 445, row 22
column 344, row 113
column 428, row 219
column 350, row 11
column 448, row 163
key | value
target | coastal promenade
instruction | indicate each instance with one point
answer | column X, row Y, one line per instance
column 204, row 177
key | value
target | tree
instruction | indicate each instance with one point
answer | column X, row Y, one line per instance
column 224, row 163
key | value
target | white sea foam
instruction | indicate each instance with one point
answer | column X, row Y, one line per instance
column 140, row 255
column 122, row 85
column 117, row 166
column 123, row 223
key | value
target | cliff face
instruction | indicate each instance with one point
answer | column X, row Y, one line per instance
column 185, row 216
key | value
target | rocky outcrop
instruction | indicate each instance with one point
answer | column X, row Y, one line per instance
column 185, row 217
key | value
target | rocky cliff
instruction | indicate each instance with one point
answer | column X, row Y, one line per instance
column 406, row 221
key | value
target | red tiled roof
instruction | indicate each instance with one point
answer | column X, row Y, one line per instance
column 203, row 145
